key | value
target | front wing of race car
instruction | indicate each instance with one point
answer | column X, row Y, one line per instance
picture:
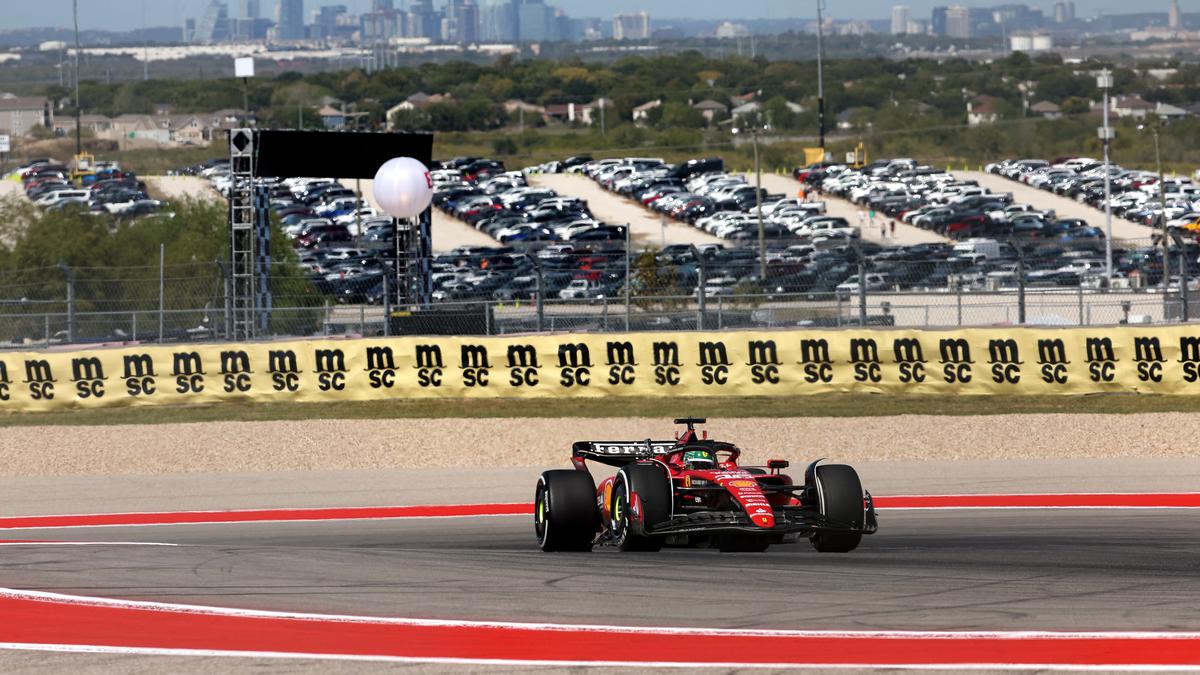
column 788, row 520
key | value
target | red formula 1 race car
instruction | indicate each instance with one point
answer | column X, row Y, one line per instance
column 692, row 492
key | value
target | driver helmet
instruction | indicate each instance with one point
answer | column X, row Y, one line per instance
column 699, row 459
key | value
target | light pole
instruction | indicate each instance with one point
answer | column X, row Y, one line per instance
column 1162, row 205
column 1105, row 82
column 820, row 79
column 78, row 112
column 762, row 232
column 1183, row 273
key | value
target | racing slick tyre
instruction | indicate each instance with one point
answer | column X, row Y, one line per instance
column 564, row 511
column 840, row 498
column 653, row 488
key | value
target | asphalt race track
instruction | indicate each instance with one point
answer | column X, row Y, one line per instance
column 1018, row 569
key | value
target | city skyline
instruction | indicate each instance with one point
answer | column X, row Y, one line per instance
column 133, row 14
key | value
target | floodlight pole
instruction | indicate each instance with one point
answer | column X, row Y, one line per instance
column 1105, row 81
column 78, row 112
column 820, row 79
column 762, row 234
column 1162, row 204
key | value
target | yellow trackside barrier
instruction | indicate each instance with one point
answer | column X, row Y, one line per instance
column 1011, row 361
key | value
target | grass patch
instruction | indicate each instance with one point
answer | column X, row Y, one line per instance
column 831, row 405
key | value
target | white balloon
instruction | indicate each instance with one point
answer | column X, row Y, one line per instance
column 403, row 187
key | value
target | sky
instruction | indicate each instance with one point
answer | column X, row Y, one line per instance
column 129, row 14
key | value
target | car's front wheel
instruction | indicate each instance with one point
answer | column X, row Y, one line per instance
column 565, row 517
column 840, row 499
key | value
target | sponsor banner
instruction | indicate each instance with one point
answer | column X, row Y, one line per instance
column 784, row 363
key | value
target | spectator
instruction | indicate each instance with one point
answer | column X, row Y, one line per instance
column 862, row 219
column 882, row 230
column 893, row 226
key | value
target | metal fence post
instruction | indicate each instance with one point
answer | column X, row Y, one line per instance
column 133, row 324
column 387, row 306
column 541, row 294
column 605, row 314
column 862, row 287
column 1081, row 304
column 162, row 289
column 628, row 290
column 959, row 296
column 47, row 318
column 720, row 312
column 362, row 319
column 700, row 290
column 1020, row 285
column 70, row 273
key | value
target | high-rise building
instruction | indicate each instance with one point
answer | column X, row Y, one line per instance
column 250, row 9
column 214, row 26
column 958, row 22
column 423, row 21
column 1060, row 12
column 498, row 22
column 326, row 20
column 937, row 21
column 535, row 21
column 900, row 15
column 631, row 26
column 289, row 20
column 383, row 5
column 462, row 22
column 1174, row 20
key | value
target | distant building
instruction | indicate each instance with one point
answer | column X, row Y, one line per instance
column 214, row 26
column 900, row 17
column 289, row 22
column 937, row 21
column 1167, row 111
column 535, row 21
column 631, row 26
column 981, row 110
column 325, row 23
column 250, row 9
column 729, row 31
column 498, row 22
column 1060, row 12
column 20, row 114
column 1046, row 109
column 958, row 22
column 710, row 108
column 462, row 22
column 1174, row 19
column 1130, row 106
column 641, row 113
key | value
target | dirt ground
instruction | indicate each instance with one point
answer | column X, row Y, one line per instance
column 448, row 443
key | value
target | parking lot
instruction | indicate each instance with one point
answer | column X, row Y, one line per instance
column 538, row 250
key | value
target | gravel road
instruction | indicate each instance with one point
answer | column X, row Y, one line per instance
column 430, row 443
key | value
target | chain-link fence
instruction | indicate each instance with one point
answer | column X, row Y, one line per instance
column 501, row 291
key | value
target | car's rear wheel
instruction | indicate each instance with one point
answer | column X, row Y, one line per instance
column 564, row 511
column 653, row 488
column 839, row 498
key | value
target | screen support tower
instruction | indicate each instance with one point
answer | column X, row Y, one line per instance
column 414, row 251
column 249, row 303
column 255, row 154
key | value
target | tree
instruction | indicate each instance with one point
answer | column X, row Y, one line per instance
column 681, row 116
column 1075, row 106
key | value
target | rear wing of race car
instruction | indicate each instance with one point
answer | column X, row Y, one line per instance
column 618, row 453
